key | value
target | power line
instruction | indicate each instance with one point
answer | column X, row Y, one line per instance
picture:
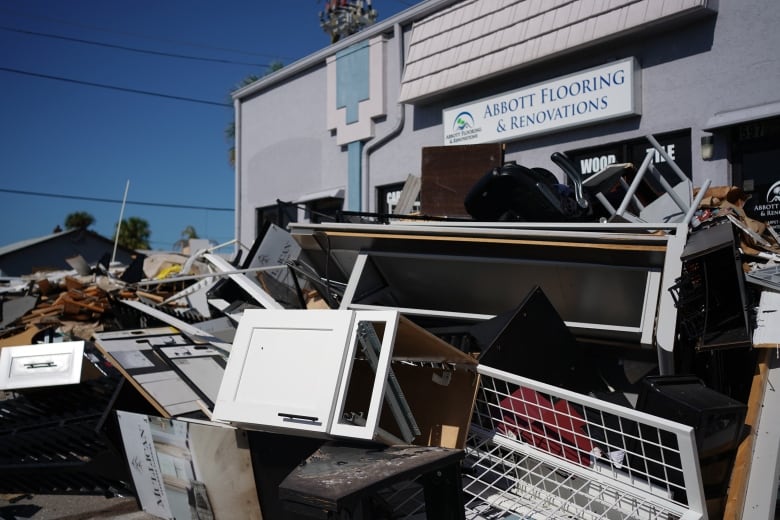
column 140, row 35
column 113, row 87
column 131, row 49
column 117, row 201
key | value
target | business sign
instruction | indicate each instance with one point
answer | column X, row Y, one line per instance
column 597, row 94
column 764, row 203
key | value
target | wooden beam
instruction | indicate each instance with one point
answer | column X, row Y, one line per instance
column 735, row 499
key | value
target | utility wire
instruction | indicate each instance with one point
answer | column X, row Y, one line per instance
column 97, row 199
column 139, row 35
column 131, row 49
column 113, row 87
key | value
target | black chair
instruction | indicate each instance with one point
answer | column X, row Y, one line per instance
column 575, row 177
column 515, row 192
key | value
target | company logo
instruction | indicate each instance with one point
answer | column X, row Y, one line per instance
column 773, row 194
column 463, row 129
column 463, row 121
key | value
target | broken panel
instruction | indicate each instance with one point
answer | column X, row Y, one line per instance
column 175, row 375
column 710, row 293
column 369, row 375
column 189, row 470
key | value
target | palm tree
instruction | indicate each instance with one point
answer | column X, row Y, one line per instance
column 134, row 233
column 187, row 234
column 230, row 131
column 79, row 220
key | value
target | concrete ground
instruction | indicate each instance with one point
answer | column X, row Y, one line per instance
column 69, row 507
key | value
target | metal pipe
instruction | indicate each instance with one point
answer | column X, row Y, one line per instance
column 119, row 224
column 696, row 202
column 237, row 170
column 669, row 189
column 668, row 159
column 635, row 183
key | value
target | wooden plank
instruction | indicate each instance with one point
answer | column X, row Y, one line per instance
column 44, row 312
column 85, row 304
column 735, row 499
column 151, row 296
column 409, row 194
column 26, row 337
column 72, row 283
column 547, row 243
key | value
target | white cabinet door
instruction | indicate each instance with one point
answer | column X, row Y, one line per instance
column 284, row 369
column 45, row 364
column 388, row 322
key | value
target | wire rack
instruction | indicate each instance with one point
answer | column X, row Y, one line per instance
column 541, row 452
column 536, row 451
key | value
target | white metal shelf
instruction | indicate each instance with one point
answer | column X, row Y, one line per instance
column 547, row 453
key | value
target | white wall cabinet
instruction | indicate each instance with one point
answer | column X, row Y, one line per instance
column 309, row 372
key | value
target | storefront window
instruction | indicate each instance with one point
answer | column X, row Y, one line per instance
column 387, row 198
column 677, row 145
column 756, row 168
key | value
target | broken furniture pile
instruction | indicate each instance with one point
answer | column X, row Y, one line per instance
column 460, row 369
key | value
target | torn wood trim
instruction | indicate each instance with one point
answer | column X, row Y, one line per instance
column 409, row 194
column 41, row 313
column 151, row 296
column 73, row 283
column 27, row 336
column 84, row 304
column 735, row 498
column 494, row 240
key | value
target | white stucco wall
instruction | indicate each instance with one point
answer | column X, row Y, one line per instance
column 690, row 72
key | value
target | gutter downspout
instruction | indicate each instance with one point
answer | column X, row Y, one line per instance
column 399, row 125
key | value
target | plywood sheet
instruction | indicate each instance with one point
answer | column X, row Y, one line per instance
column 449, row 172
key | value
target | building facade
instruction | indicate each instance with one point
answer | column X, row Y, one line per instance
column 345, row 127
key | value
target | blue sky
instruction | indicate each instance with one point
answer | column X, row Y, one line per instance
column 68, row 146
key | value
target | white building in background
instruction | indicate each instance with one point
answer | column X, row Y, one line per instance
column 343, row 128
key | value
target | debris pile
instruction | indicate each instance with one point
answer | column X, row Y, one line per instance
column 465, row 369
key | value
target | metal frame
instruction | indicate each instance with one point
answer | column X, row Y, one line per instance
column 640, row 330
column 506, row 474
column 347, row 247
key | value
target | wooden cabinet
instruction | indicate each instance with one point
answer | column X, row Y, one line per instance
column 343, row 373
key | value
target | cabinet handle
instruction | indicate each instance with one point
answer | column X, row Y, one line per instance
column 45, row 364
column 298, row 417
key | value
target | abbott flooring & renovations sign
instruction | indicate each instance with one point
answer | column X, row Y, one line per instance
column 597, row 94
